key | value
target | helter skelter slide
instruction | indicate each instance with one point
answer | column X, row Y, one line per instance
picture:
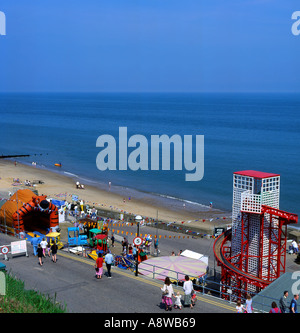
column 252, row 253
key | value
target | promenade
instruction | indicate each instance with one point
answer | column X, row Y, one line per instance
column 72, row 281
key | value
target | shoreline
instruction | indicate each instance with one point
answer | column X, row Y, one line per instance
column 58, row 185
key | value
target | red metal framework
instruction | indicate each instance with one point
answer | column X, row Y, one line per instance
column 232, row 278
column 286, row 218
column 269, row 257
column 277, row 234
column 271, row 251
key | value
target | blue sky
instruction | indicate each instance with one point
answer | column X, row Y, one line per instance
column 150, row 45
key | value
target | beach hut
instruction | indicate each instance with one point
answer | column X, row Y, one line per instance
column 26, row 211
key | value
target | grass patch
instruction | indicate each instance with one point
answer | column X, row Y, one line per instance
column 20, row 300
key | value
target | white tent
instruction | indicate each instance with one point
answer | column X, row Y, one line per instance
column 195, row 255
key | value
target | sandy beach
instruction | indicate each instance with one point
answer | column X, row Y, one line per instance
column 59, row 186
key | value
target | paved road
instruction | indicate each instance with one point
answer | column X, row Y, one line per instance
column 71, row 280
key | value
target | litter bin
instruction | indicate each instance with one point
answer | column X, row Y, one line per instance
column 2, row 267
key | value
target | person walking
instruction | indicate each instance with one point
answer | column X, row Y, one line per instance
column 44, row 246
column 188, row 288
column 248, row 304
column 274, row 308
column 295, row 247
column 35, row 243
column 130, row 249
column 293, row 305
column 109, row 259
column 99, row 266
column 54, row 249
column 93, row 215
column 112, row 240
column 49, row 249
column 125, row 245
column 134, row 252
column 40, row 254
column 156, row 246
column 283, row 302
column 168, row 292
column 239, row 307
column 178, row 304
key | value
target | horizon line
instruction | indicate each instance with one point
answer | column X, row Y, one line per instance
column 151, row 92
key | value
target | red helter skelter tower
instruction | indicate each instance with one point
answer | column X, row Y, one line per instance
column 252, row 254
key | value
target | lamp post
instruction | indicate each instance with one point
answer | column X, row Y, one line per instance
column 137, row 219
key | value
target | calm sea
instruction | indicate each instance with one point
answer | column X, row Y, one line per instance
column 241, row 131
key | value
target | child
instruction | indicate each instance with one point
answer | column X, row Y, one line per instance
column 194, row 298
column 178, row 304
column 248, row 308
column 239, row 307
column 44, row 246
column 99, row 266
column 49, row 249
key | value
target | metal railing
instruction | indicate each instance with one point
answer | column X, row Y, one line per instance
column 250, row 202
column 210, row 285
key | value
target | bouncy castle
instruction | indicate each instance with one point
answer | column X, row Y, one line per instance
column 26, row 211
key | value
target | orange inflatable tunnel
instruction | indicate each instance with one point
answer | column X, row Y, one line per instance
column 26, row 211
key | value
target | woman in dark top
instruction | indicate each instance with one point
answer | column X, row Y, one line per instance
column 54, row 251
column 40, row 254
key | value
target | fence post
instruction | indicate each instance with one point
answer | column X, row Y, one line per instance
column 5, row 223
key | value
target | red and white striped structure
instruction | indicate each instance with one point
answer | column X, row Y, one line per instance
column 252, row 254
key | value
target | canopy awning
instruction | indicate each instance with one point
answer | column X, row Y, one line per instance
column 195, row 255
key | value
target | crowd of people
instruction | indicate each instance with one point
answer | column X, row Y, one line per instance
column 168, row 293
column 109, row 259
column 42, row 248
column 283, row 307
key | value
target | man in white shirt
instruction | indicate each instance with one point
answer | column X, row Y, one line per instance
column 295, row 246
column 109, row 259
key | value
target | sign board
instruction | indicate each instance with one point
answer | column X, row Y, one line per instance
column 4, row 250
column 19, row 247
column 218, row 231
column 137, row 241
